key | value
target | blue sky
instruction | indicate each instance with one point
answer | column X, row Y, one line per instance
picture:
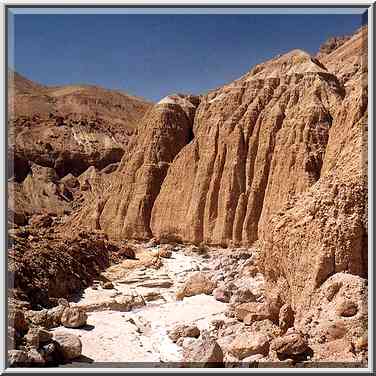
column 155, row 55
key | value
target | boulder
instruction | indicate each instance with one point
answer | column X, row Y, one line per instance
column 35, row 357
column 73, row 317
column 127, row 252
column 197, row 283
column 253, row 358
column 186, row 342
column 286, row 317
column 70, row 345
column 37, row 336
column 346, row 308
column 242, row 295
column 16, row 319
column 247, row 344
column 183, row 330
column 128, row 302
column 222, row 294
column 51, row 352
column 107, row 285
column 204, row 352
column 17, row 358
column 290, row 345
column 249, row 312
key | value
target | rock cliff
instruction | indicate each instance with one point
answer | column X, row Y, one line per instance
column 324, row 231
column 275, row 157
column 256, row 142
column 124, row 209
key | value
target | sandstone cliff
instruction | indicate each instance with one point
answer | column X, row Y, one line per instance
column 257, row 141
column 324, row 231
column 276, row 156
column 124, row 209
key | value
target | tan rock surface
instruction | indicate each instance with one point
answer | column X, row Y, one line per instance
column 324, row 231
column 124, row 210
column 220, row 184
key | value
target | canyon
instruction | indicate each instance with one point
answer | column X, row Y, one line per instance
column 243, row 211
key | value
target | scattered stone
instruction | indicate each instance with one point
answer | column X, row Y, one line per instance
column 204, row 352
column 217, row 324
column 73, row 317
column 247, row 344
column 165, row 251
column 70, row 345
column 290, row 345
column 286, row 318
column 197, row 283
column 17, row 358
column 107, row 285
column 183, row 330
column 346, row 308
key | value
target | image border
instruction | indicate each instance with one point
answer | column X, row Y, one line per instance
column 369, row 7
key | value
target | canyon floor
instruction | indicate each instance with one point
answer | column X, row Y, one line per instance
column 143, row 331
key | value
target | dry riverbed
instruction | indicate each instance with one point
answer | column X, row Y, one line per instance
column 140, row 335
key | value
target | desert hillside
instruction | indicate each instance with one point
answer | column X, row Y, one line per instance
column 244, row 210
column 57, row 133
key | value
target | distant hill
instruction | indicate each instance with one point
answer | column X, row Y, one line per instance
column 28, row 98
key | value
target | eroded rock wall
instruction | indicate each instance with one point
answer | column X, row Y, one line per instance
column 257, row 141
column 124, row 210
column 324, row 231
